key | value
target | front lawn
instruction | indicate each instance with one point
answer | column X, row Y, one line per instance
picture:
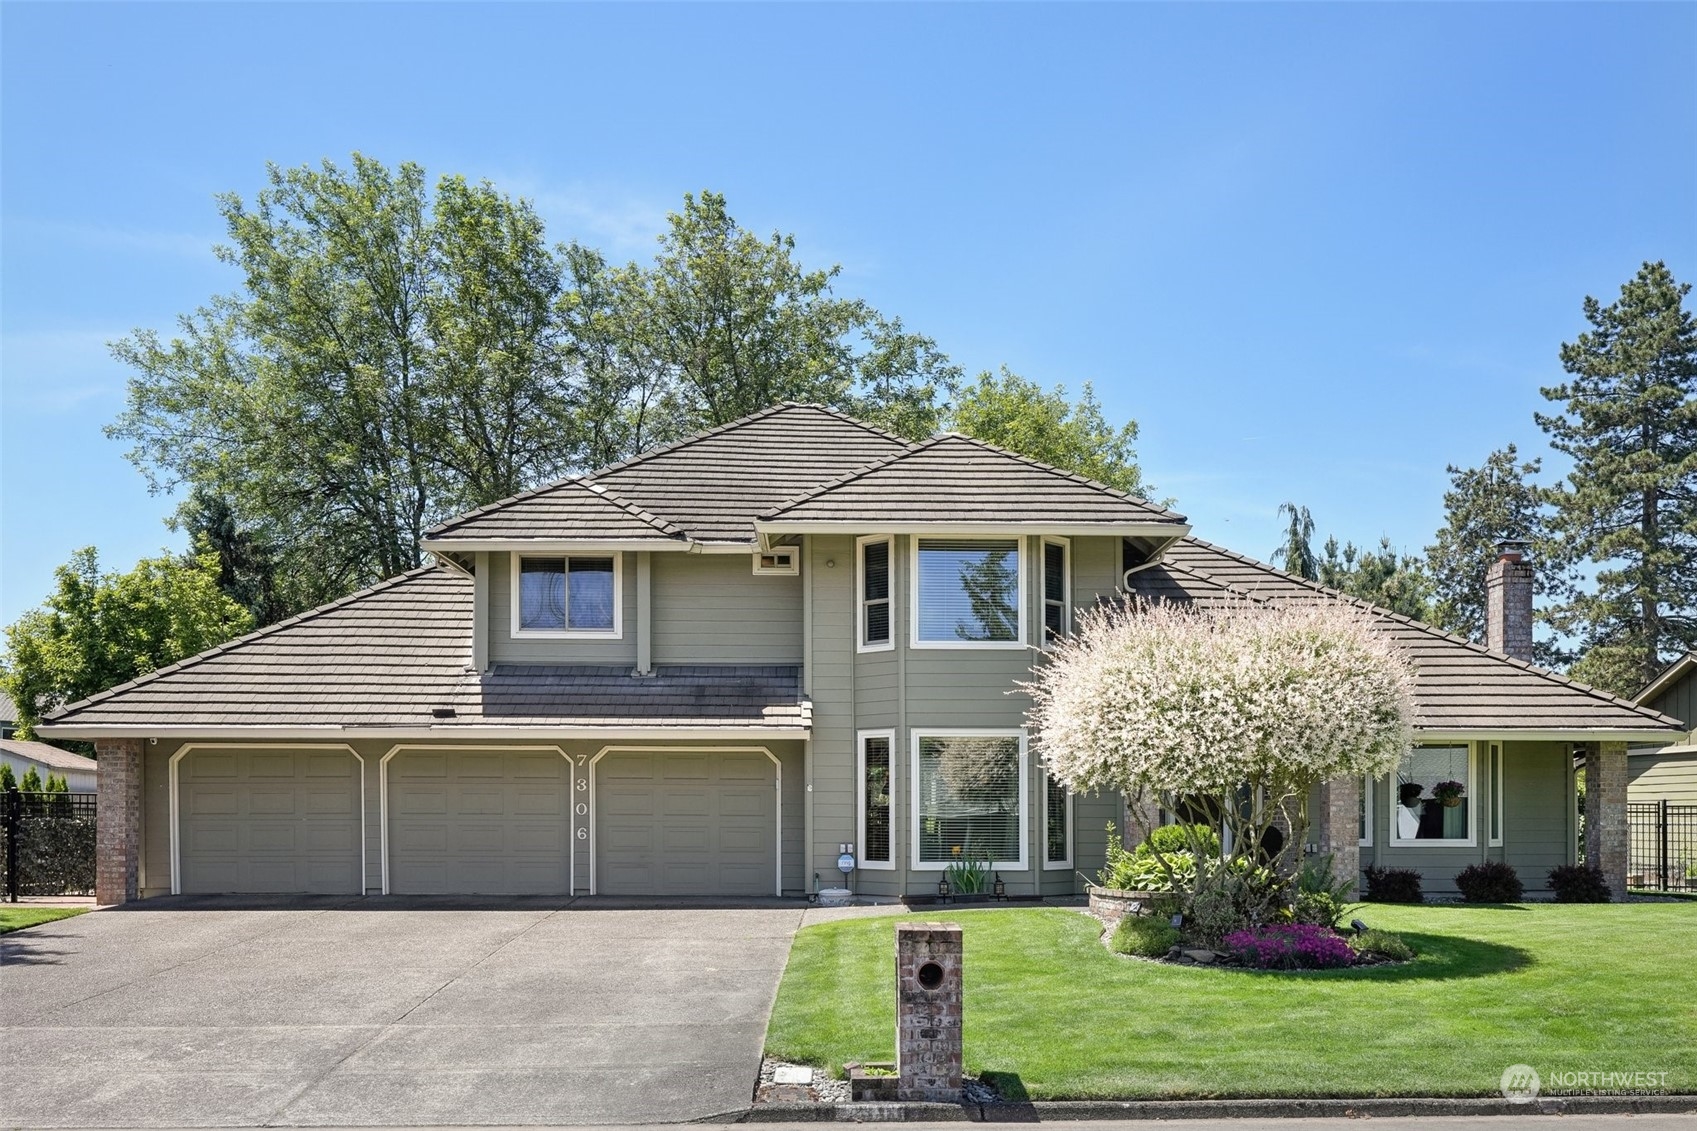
column 17, row 918
column 1051, row 1014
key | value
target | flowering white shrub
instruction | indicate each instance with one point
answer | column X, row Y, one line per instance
column 1182, row 700
column 1233, row 713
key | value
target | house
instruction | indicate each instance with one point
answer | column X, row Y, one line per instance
column 8, row 717
column 1667, row 771
column 80, row 772
column 720, row 667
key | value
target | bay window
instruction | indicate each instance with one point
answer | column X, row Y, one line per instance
column 968, row 592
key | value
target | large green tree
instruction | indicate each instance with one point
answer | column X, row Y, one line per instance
column 1296, row 555
column 1500, row 499
column 98, row 630
column 724, row 322
column 391, row 358
column 1016, row 413
column 1384, row 576
column 1627, row 510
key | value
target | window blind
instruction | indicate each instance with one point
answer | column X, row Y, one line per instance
column 542, row 593
column 875, row 797
column 968, row 589
column 875, row 592
column 968, row 799
column 1055, row 831
column 1054, row 588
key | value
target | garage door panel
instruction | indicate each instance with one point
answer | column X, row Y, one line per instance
column 686, row 824
column 485, row 822
column 269, row 821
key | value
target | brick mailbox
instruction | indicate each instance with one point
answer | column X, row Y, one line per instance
column 928, row 1015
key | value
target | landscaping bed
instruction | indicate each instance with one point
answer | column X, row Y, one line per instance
column 1051, row 1014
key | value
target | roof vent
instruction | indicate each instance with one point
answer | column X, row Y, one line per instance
column 442, row 712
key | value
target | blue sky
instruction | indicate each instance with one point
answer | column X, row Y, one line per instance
column 1316, row 251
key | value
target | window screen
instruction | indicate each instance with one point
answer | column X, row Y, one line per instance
column 875, row 593
column 1054, row 589
column 1056, row 836
column 968, row 798
column 968, row 590
column 875, row 800
column 542, row 593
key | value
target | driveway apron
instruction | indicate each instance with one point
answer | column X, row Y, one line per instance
column 207, row 1012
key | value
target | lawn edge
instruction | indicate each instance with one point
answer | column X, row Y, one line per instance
column 69, row 913
column 1053, row 1110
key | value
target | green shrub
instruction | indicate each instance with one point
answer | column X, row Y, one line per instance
column 1231, row 896
column 1170, row 839
column 1321, row 897
column 1381, row 943
column 1143, row 935
column 1490, row 882
column 1393, row 885
column 1139, row 870
column 1579, row 883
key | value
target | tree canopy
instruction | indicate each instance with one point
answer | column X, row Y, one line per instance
column 1627, row 418
column 97, row 630
column 1016, row 413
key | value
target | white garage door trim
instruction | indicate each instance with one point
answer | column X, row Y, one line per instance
column 777, row 787
column 383, row 798
column 176, row 808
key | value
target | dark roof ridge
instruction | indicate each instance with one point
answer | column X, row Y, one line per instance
column 1400, row 618
column 720, row 429
column 948, row 437
column 250, row 638
column 660, row 524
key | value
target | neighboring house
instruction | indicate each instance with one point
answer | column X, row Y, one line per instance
column 713, row 668
column 80, row 773
column 1668, row 771
column 8, row 717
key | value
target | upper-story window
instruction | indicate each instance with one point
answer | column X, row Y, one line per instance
column 968, row 593
column 1057, row 590
column 571, row 595
column 875, row 603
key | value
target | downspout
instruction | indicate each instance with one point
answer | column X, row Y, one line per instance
column 807, row 872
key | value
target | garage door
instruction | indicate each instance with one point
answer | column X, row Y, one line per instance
column 269, row 821
column 686, row 824
column 492, row 822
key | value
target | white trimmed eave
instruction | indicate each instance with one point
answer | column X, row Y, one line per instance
column 1170, row 532
column 89, row 732
column 1673, row 673
column 555, row 545
column 1570, row 734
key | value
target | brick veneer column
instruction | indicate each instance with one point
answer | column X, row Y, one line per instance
column 117, row 845
column 1606, row 838
column 1339, row 827
column 928, row 1014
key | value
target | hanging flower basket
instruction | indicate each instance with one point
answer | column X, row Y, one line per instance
column 1449, row 793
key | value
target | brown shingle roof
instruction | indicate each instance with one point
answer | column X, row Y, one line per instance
column 956, row 479
column 1459, row 686
column 571, row 509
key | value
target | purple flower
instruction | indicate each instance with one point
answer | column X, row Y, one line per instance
column 1289, row 946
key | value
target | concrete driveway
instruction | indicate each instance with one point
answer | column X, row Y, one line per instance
column 387, row 1011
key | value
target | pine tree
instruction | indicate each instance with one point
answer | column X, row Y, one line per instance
column 1484, row 505
column 1297, row 554
column 1629, row 506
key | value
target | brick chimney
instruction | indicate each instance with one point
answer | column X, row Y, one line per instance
column 1508, row 601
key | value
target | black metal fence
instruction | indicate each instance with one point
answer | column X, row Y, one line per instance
column 1663, row 853
column 46, row 844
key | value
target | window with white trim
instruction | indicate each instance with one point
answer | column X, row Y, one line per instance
column 874, row 792
column 968, row 592
column 1364, row 817
column 783, row 560
column 1433, row 802
column 969, row 798
column 566, row 595
column 875, row 594
column 1057, row 590
column 1495, row 776
column 1057, row 824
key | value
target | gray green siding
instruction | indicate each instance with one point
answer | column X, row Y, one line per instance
column 505, row 648
column 714, row 609
column 1669, row 776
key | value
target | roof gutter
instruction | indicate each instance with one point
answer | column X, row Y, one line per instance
column 92, row 731
column 1171, row 531
column 1575, row 734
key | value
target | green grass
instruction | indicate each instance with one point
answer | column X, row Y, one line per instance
column 1050, row 1014
column 17, row 918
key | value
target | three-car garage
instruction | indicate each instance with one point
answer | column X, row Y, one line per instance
column 506, row 820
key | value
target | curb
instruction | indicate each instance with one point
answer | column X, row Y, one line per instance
column 1078, row 1110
